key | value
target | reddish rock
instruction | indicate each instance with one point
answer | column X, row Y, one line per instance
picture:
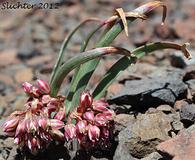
column 184, row 28
column 8, row 57
column 182, row 147
column 24, row 75
column 40, row 60
column 6, row 79
column 179, row 104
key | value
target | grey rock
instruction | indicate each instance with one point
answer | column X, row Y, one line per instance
column 191, row 86
column 94, row 158
column 164, row 87
column 2, row 87
column 122, row 121
column 141, row 137
column 153, row 156
column 189, row 73
column 122, row 153
column 177, row 125
column 165, row 108
column 27, row 51
column 187, row 113
column 191, row 129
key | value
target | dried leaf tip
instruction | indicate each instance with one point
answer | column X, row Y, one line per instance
column 120, row 12
column 152, row 5
column 185, row 50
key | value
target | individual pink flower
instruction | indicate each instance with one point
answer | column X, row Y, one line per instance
column 55, row 123
column 43, row 123
column 44, row 86
column 86, row 100
column 100, row 119
column 100, row 105
column 89, row 116
column 70, row 131
column 81, row 127
column 27, row 87
column 93, row 133
column 61, row 114
column 11, row 124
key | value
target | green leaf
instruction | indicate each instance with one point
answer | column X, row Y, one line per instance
column 64, row 46
column 75, row 78
column 125, row 62
column 80, row 59
column 86, row 70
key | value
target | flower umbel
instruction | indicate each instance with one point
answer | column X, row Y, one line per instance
column 93, row 122
column 34, row 128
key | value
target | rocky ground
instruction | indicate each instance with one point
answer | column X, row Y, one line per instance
column 154, row 99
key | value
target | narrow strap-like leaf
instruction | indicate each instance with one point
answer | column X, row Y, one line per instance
column 125, row 62
column 64, row 46
column 87, row 69
column 80, row 59
column 75, row 77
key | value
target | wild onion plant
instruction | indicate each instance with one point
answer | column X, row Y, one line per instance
column 80, row 114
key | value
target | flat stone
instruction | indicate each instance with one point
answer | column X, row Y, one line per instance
column 187, row 113
column 177, row 125
column 165, row 108
column 8, row 57
column 39, row 60
column 161, row 88
column 153, row 156
column 180, row 104
column 141, row 137
column 191, row 86
column 180, row 148
column 122, row 121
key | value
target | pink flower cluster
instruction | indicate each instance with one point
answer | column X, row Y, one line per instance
column 34, row 128
column 93, row 122
column 42, row 121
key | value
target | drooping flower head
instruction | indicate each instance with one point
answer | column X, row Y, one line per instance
column 35, row 127
column 93, row 122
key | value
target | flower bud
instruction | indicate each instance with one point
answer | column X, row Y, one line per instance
column 100, row 105
column 44, row 86
column 20, row 128
column 57, row 124
column 61, row 114
column 27, row 87
column 89, row 116
column 11, row 124
column 85, row 100
column 70, row 131
column 81, row 127
column 93, row 133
